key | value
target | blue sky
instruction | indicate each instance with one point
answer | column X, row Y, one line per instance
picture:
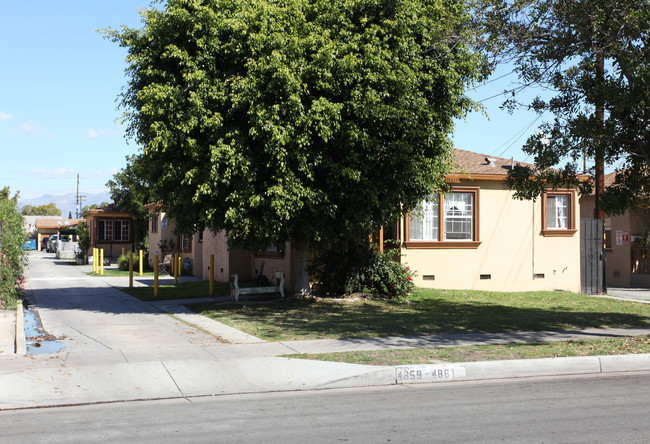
column 59, row 81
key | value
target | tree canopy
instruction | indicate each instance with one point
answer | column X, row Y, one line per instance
column 587, row 55
column 301, row 120
column 41, row 210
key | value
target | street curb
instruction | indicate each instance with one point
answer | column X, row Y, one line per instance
column 520, row 368
column 21, row 343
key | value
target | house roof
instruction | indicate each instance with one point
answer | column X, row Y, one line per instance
column 106, row 210
column 482, row 166
column 45, row 223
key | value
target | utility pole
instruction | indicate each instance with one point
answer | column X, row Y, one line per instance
column 79, row 200
column 599, row 148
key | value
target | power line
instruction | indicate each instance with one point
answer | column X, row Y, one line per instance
column 521, row 133
column 516, row 137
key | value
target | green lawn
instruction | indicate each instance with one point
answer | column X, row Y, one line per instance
column 185, row 290
column 427, row 312
column 591, row 347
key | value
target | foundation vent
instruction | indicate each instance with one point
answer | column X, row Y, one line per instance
column 538, row 276
column 429, row 277
column 486, row 277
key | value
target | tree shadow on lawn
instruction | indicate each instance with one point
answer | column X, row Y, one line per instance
column 305, row 318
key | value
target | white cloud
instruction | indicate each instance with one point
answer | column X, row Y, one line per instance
column 91, row 133
column 4, row 116
column 49, row 174
column 34, row 129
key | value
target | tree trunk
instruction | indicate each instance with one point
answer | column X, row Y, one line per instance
column 300, row 269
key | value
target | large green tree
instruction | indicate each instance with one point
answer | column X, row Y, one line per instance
column 308, row 121
column 593, row 61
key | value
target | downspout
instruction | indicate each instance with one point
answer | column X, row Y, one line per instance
column 533, row 239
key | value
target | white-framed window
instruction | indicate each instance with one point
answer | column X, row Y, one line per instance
column 425, row 220
column 557, row 211
column 445, row 221
column 459, row 216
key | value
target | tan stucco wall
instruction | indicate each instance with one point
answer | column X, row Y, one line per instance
column 512, row 250
column 214, row 244
column 166, row 233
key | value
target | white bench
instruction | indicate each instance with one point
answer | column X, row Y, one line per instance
column 235, row 291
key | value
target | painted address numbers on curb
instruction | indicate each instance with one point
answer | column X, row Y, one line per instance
column 428, row 373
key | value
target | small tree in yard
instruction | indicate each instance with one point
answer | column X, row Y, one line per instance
column 309, row 121
column 13, row 257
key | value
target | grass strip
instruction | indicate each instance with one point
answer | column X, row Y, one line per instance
column 426, row 312
column 588, row 347
column 121, row 273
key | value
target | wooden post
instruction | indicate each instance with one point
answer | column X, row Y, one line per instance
column 130, row 269
column 175, row 262
column 381, row 238
column 212, row 275
column 101, row 262
column 140, row 261
column 122, row 251
column 155, row 277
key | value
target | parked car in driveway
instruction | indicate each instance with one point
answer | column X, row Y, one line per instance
column 51, row 244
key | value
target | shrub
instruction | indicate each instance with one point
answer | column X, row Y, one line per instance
column 354, row 267
column 381, row 276
column 123, row 262
column 13, row 257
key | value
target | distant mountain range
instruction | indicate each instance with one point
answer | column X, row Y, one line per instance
column 67, row 203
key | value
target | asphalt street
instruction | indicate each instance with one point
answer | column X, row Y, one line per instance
column 584, row 409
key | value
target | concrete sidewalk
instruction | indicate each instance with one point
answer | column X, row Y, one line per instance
column 119, row 348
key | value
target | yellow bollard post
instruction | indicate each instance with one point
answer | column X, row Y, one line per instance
column 155, row 277
column 175, row 260
column 212, row 275
column 140, row 261
column 94, row 261
column 172, row 265
column 130, row 270
column 122, row 251
column 101, row 262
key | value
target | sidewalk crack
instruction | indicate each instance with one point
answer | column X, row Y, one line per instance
column 172, row 378
column 89, row 337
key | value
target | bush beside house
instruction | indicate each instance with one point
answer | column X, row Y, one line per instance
column 13, row 257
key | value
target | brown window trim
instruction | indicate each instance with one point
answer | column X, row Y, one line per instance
column 180, row 243
column 560, row 232
column 267, row 254
column 443, row 244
